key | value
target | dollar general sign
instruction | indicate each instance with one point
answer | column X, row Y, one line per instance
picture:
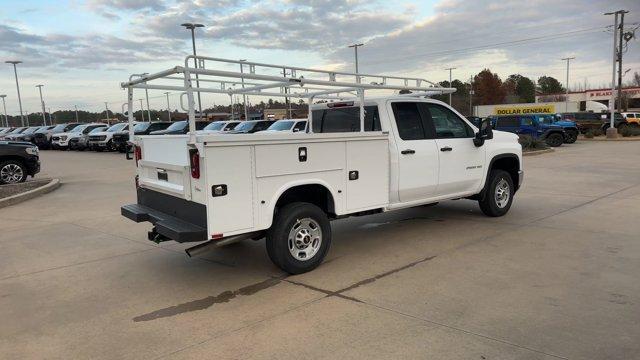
column 520, row 110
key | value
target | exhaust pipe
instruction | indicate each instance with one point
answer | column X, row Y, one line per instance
column 205, row 246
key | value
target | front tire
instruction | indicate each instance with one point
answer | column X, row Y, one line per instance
column 572, row 137
column 299, row 238
column 554, row 140
column 12, row 172
column 498, row 196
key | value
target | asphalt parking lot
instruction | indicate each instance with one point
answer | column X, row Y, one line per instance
column 558, row 277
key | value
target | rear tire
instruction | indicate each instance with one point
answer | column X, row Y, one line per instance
column 572, row 137
column 498, row 195
column 554, row 140
column 299, row 238
column 12, row 172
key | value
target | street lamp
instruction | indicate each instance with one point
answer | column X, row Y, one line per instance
column 450, row 69
column 142, row 111
column 244, row 96
column 355, row 48
column 76, row 106
column 192, row 27
column 168, row 106
column 4, row 105
column 106, row 106
column 566, row 99
column 44, row 119
column 15, row 71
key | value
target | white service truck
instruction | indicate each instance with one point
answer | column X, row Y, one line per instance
column 359, row 156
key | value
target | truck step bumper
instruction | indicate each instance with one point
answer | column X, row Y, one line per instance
column 166, row 225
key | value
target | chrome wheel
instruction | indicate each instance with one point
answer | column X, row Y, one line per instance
column 305, row 239
column 502, row 193
column 11, row 173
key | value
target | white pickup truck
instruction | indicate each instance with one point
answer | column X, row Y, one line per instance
column 388, row 153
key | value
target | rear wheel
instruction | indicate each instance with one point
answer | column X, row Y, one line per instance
column 12, row 172
column 554, row 139
column 498, row 194
column 572, row 136
column 299, row 238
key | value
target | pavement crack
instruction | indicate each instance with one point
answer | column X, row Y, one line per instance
column 207, row 302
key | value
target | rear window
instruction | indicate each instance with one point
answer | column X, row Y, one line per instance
column 508, row 121
column 345, row 119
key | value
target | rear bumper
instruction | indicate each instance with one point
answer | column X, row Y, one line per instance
column 174, row 218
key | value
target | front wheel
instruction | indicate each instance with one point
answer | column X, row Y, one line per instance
column 299, row 238
column 498, row 195
column 572, row 137
column 12, row 172
column 554, row 139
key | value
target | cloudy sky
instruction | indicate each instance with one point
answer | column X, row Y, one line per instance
column 81, row 50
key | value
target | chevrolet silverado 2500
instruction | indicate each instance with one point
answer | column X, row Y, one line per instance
column 359, row 156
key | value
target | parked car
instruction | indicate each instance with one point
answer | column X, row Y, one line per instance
column 13, row 131
column 13, row 136
column 180, row 127
column 632, row 119
column 81, row 142
column 104, row 140
column 17, row 161
column 28, row 135
column 143, row 128
column 220, row 127
column 5, row 130
column 619, row 121
column 251, row 126
column 286, row 125
column 528, row 125
column 570, row 128
column 45, row 142
column 39, row 138
column 63, row 140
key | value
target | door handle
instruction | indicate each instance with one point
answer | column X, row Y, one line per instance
column 446, row 148
column 407, row 151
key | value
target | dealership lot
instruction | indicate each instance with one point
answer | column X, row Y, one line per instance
column 557, row 277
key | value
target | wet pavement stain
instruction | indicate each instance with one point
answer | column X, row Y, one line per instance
column 208, row 301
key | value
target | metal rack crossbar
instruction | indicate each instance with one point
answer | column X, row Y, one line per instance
column 291, row 81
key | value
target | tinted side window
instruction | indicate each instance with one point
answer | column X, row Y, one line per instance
column 526, row 121
column 300, row 126
column 346, row 119
column 447, row 124
column 508, row 121
column 408, row 121
column 262, row 125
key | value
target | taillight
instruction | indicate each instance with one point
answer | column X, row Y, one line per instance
column 194, row 157
column 137, row 153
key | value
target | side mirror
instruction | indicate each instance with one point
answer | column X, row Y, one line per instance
column 296, row 130
column 484, row 133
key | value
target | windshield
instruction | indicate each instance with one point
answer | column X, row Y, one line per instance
column 141, row 127
column 30, row 130
column 97, row 130
column 216, row 125
column 78, row 129
column 44, row 129
column 58, row 128
column 117, row 127
column 245, row 126
column 180, row 125
column 281, row 125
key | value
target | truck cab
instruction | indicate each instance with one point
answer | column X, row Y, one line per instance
column 529, row 125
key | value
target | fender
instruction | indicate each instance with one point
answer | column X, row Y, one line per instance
column 267, row 216
column 491, row 163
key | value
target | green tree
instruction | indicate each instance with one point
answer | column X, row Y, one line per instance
column 549, row 85
column 521, row 87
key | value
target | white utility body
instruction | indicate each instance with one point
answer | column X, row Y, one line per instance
column 359, row 156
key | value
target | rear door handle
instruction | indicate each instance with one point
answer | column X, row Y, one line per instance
column 407, row 151
column 446, row 148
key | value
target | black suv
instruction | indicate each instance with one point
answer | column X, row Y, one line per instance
column 143, row 128
column 17, row 161
column 250, row 127
column 180, row 127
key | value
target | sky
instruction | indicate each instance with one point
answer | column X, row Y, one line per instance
column 81, row 50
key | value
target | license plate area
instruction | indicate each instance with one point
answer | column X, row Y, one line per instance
column 162, row 175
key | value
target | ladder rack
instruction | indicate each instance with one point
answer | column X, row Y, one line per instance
column 215, row 75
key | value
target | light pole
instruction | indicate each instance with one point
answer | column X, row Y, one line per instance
column 44, row 119
column 142, row 110
column 4, row 105
column 106, row 106
column 612, row 132
column 50, row 121
column 76, row 106
column 355, row 48
column 566, row 99
column 192, row 27
column 244, row 96
column 168, row 106
column 450, row 69
column 15, row 71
